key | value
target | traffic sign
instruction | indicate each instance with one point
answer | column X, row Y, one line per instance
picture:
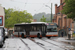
column 69, row 29
column 74, row 31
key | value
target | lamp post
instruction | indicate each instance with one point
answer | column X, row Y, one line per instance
column 51, row 10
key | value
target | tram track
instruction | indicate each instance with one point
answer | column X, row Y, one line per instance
column 47, row 45
column 25, row 44
column 59, row 44
column 54, row 44
column 44, row 43
column 40, row 44
column 31, row 44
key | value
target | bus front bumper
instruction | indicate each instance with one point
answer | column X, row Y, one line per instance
column 51, row 35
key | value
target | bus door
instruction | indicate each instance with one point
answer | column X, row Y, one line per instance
column 28, row 31
column 43, row 30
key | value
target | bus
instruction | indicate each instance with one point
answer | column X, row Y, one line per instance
column 30, row 30
column 51, row 30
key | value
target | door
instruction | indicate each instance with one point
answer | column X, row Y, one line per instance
column 27, row 31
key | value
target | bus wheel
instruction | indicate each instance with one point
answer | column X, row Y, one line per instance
column 38, row 35
column 48, row 37
column 1, row 46
column 22, row 35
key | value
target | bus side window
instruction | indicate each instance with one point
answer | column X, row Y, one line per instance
column 43, row 28
column 34, row 28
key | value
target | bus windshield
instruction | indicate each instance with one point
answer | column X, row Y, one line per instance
column 51, row 28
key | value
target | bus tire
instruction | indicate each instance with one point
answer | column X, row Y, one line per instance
column 1, row 46
column 22, row 35
column 32, row 37
column 48, row 37
column 38, row 35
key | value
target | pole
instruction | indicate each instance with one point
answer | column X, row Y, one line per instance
column 51, row 12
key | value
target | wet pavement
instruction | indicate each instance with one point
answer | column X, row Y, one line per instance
column 66, row 41
column 71, row 43
column 54, row 43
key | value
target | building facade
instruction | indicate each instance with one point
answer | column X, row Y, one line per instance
column 61, row 19
column 2, row 16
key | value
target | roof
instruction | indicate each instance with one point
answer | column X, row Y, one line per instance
column 31, row 24
column 38, row 22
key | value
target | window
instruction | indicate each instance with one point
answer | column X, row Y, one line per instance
column 52, row 28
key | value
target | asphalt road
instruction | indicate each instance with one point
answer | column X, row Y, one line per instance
column 35, row 44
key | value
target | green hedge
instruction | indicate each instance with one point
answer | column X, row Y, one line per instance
column 73, row 34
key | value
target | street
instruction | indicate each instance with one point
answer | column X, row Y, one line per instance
column 35, row 44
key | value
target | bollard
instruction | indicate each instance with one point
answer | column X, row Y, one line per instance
column 69, row 36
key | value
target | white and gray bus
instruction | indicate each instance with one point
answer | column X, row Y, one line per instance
column 30, row 30
column 51, row 30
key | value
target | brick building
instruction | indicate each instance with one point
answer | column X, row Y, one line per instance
column 61, row 19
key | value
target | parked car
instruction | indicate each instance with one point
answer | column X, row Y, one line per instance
column 2, row 36
column 6, row 32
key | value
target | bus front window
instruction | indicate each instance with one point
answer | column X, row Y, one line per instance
column 51, row 28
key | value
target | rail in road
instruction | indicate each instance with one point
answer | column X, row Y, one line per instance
column 14, row 44
column 25, row 44
column 40, row 44
column 46, row 45
column 32, row 44
column 59, row 44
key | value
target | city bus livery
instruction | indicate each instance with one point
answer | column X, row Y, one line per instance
column 51, row 30
column 30, row 30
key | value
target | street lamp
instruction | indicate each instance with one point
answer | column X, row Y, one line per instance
column 51, row 10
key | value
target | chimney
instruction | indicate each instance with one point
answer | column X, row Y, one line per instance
column 55, row 8
column 60, row 2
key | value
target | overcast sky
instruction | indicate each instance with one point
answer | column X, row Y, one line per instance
column 32, row 6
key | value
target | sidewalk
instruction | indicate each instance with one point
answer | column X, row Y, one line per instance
column 63, row 39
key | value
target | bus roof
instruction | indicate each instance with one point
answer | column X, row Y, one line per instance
column 38, row 22
column 51, row 24
column 31, row 24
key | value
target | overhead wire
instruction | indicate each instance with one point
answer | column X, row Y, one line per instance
column 26, row 3
column 32, row 3
column 43, row 6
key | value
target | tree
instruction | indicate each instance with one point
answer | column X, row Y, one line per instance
column 69, row 9
column 12, row 17
column 43, row 19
